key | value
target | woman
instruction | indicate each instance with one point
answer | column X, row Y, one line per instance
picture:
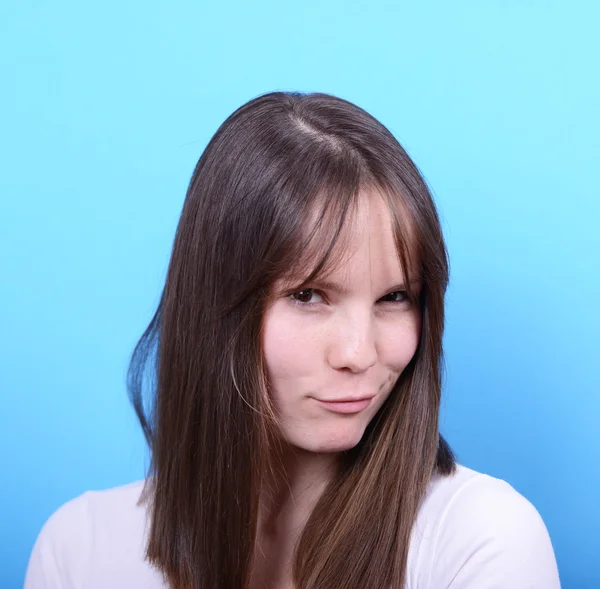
column 294, row 425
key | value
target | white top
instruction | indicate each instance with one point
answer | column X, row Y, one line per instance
column 473, row 531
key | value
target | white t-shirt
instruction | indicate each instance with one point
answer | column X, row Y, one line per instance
column 473, row 531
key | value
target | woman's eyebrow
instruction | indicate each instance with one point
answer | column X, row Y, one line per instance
column 342, row 290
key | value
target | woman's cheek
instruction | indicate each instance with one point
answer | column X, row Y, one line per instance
column 290, row 344
column 399, row 342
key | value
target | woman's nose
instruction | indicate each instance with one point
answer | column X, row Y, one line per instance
column 352, row 343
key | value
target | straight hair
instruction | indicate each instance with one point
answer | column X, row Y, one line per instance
column 269, row 198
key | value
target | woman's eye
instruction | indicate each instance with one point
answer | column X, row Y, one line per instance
column 398, row 296
column 308, row 296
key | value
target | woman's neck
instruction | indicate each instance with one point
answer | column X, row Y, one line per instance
column 297, row 481
column 287, row 500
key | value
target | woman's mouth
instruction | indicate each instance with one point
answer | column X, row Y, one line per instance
column 345, row 405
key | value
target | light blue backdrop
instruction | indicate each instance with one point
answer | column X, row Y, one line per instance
column 105, row 108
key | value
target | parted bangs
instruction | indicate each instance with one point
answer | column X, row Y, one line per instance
column 322, row 241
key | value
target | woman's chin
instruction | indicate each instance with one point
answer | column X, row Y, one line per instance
column 324, row 443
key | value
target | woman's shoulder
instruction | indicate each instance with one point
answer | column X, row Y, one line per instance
column 95, row 540
column 472, row 531
column 476, row 530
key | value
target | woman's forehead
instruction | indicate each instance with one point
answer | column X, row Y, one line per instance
column 368, row 224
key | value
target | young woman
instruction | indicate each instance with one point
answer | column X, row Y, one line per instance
column 294, row 419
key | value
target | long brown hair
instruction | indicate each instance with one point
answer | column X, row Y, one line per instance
column 248, row 219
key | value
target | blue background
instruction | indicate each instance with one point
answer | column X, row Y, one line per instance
column 105, row 108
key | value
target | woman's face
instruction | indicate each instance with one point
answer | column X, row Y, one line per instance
column 346, row 339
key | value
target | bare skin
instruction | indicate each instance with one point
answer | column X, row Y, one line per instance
column 284, row 511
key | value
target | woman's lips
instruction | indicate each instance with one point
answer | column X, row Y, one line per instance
column 345, row 406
